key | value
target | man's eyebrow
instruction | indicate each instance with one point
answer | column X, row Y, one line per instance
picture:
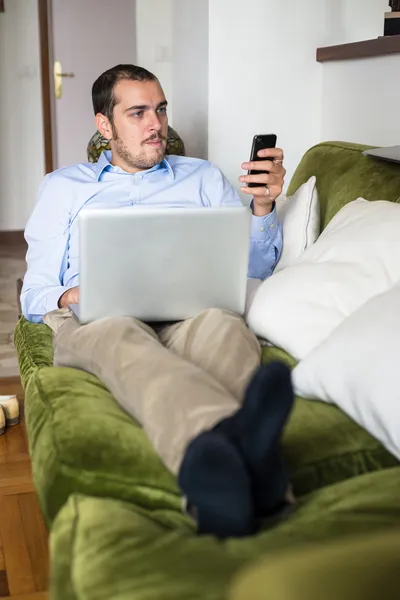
column 146, row 106
column 138, row 107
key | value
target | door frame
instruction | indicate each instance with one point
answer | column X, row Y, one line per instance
column 47, row 81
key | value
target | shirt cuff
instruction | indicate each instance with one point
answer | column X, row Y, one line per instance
column 53, row 297
column 265, row 228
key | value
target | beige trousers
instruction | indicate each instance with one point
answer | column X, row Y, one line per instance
column 175, row 380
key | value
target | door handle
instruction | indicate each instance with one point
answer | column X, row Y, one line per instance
column 58, row 77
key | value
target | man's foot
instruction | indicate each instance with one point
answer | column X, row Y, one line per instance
column 10, row 405
column 256, row 431
column 217, row 486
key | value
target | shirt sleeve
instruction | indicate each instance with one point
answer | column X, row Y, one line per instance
column 47, row 234
column 266, row 243
column 266, row 232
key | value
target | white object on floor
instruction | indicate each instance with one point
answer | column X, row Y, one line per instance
column 355, row 258
column 300, row 218
column 10, row 407
column 357, row 368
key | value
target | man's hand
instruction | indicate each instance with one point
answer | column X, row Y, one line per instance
column 272, row 182
column 71, row 296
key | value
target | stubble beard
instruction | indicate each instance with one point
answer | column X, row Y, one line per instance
column 141, row 160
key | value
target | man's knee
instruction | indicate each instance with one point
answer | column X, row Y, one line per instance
column 119, row 327
column 220, row 314
column 215, row 318
column 105, row 332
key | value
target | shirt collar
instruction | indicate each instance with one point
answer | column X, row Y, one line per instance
column 104, row 164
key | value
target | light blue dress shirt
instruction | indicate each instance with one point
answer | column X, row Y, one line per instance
column 52, row 230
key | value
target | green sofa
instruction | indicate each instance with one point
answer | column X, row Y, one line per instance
column 113, row 510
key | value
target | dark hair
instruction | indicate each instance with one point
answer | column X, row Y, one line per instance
column 103, row 88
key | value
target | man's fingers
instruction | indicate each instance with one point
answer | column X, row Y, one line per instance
column 274, row 177
column 265, row 165
column 276, row 153
column 262, row 178
column 270, row 154
column 73, row 295
column 274, row 190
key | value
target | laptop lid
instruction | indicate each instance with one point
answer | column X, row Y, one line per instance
column 161, row 264
column 391, row 153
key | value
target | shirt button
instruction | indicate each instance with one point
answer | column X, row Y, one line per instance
column 272, row 225
column 262, row 228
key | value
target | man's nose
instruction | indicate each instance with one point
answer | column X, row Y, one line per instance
column 155, row 124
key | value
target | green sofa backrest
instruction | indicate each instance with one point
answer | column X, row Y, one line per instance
column 344, row 174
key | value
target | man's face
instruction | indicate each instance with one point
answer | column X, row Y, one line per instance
column 139, row 127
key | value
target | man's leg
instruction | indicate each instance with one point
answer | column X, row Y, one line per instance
column 176, row 401
column 220, row 343
column 171, row 398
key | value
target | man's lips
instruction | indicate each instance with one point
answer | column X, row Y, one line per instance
column 155, row 142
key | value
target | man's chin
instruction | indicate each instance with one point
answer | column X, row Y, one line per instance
column 155, row 156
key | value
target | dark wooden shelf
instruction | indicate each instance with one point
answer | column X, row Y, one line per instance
column 377, row 47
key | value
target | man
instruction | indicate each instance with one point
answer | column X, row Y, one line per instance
column 184, row 382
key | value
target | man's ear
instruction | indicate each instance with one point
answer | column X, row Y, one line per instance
column 104, row 126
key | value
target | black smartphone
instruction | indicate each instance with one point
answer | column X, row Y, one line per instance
column 260, row 142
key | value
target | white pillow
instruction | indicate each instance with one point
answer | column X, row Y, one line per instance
column 300, row 218
column 355, row 258
column 358, row 368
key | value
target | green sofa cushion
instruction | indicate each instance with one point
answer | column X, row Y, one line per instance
column 358, row 568
column 344, row 174
column 104, row 548
column 82, row 441
column 34, row 344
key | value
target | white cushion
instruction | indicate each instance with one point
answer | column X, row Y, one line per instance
column 355, row 258
column 300, row 218
column 358, row 368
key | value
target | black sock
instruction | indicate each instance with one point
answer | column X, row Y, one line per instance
column 256, row 431
column 215, row 480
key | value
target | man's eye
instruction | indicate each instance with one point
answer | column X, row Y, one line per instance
column 139, row 113
column 163, row 109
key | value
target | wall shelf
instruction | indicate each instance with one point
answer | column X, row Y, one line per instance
column 377, row 47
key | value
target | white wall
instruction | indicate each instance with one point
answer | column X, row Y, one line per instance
column 190, row 74
column 154, row 43
column 172, row 42
column 360, row 98
column 355, row 20
column 21, row 124
column 263, row 78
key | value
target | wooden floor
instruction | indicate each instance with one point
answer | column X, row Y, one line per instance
column 23, row 535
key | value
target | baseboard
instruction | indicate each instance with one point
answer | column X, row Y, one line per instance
column 12, row 238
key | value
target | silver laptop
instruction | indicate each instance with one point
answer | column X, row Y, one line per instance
column 162, row 264
column 391, row 153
